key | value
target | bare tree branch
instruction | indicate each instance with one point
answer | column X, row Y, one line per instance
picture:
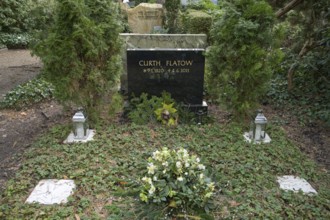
column 288, row 7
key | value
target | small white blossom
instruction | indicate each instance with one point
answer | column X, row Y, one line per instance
column 147, row 180
column 178, row 164
column 154, row 178
column 201, row 167
column 180, row 178
column 198, row 160
column 187, row 165
column 164, row 171
column 211, row 186
column 165, row 164
column 151, row 168
column 201, row 176
column 186, row 173
column 155, row 154
column 208, row 195
column 152, row 190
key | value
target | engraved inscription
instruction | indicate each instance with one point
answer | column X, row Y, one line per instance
column 148, row 14
column 166, row 67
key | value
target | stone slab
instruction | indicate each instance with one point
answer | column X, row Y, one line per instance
column 295, row 184
column 52, row 191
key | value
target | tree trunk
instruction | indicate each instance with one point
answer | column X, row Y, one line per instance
column 302, row 52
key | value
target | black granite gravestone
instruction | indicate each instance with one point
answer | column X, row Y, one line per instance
column 177, row 71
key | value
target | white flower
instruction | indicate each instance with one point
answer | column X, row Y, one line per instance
column 211, row 186
column 201, row 176
column 147, row 180
column 165, row 164
column 155, row 154
column 165, row 153
column 164, row 171
column 180, row 178
column 198, row 160
column 186, row 173
column 187, row 164
column 201, row 167
column 152, row 190
column 208, row 195
column 154, row 178
column 178, row 164
column 151, row 168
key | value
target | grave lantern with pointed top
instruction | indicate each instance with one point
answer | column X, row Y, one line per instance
column 260, row 123
column 79, row 125
column 257, row 132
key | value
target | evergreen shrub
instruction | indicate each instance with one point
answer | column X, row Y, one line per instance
column 196, row 22
column 81, row 51
column 13, row 16
column 242, row 55
column 172, row 8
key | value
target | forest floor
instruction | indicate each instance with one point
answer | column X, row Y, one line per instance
column 19, row 129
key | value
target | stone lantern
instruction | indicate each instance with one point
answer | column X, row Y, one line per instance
column 79, row 125
column 257, row 132
column 80, row 132
column 259, row 129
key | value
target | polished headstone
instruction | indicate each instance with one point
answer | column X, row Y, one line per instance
column 177, row 71
column 157, row 41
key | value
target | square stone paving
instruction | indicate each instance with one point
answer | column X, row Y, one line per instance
column 51, row 191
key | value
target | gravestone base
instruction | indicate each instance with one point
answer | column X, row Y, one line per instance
column 198, row 109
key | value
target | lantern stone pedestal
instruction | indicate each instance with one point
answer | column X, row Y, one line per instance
column 73, row 139
column 265, row 140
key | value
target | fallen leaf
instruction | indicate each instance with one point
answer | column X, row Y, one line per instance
column 153, row 133
column 23, row 113
column 76, row 216
column 234, row 203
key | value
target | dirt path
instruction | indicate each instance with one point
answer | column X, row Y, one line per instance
column 16, row 67
column 18, row 129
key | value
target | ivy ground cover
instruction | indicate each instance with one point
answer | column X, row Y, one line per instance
column 108, row 173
